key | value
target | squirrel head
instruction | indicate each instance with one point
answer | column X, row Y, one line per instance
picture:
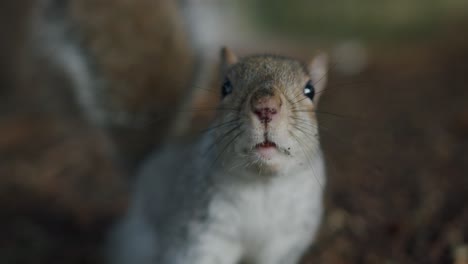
column 267, row 110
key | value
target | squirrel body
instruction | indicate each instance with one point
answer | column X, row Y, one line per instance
column 262, row 221
column 247, row 191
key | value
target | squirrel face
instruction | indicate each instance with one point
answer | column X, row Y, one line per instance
column 268, row 105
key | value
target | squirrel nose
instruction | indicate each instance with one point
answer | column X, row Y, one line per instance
column 265, row 104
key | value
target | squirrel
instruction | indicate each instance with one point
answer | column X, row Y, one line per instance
column 124, row 66
column 250, row 189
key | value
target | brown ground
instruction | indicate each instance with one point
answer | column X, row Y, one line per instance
column 398, row 167
column 398, row 163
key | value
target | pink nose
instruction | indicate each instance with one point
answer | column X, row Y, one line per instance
column 265, row 105
column 265, row 114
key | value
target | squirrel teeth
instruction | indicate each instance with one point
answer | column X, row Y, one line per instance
column 266, row 144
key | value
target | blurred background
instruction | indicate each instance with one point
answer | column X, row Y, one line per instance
column 88, row 88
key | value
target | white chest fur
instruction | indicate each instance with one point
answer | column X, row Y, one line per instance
column 263, row 221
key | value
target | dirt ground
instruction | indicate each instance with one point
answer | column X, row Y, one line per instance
column 398, row 165
column 396, row 143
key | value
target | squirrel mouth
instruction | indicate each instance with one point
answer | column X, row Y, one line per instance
column 265, row 144
column 266, row 150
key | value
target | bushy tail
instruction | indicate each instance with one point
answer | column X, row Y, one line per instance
column 127, row 66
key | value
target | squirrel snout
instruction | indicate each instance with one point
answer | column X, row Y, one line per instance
column 265, row 104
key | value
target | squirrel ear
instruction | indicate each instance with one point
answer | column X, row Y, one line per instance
column 228, row 58
column 318, row 71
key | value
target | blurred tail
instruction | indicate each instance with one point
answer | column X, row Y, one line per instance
column 127, row 66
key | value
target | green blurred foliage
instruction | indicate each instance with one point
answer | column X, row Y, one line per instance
column 365, row 19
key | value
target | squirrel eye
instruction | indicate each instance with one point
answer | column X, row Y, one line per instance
column 309, row 90
column 227, row 88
